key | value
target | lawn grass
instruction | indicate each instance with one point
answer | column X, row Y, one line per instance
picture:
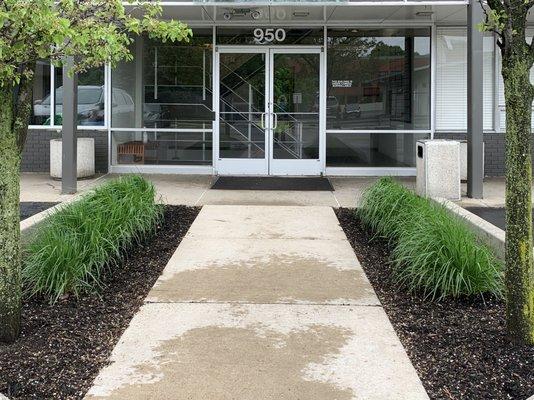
column 434, row 252
column 73, row 247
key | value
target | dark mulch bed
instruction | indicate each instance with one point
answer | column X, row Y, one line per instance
column 62, row 347
column 29, row 208
column 459, row 348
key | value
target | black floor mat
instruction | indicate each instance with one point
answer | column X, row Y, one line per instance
column 272, row 183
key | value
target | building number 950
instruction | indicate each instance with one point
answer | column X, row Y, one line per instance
column 269, row 35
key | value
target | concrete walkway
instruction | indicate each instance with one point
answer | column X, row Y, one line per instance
column 195, row 190
column 261, row 302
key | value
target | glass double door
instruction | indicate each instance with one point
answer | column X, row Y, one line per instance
column 269, row 115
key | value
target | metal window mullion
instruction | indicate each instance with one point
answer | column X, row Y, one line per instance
column 52, row 111
column 433, row 82
column 107, row 112
column 107, row 95
column 496, row 72
column 215, row 100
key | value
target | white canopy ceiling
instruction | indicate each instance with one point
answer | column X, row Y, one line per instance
column 305, row 13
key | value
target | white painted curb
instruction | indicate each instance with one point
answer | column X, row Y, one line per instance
column 488, row 233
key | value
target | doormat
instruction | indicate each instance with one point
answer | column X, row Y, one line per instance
column 272, row 183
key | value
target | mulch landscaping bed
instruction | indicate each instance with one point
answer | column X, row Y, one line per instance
column 29, row 208
column 459, row 348
column 63, row 346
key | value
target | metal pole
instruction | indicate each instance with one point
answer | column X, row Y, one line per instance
column 70, row 122
column 475, row 134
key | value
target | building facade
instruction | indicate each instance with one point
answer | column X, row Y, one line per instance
column 282, row 88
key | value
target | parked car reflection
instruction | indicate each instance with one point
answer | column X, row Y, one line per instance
column 90, row 105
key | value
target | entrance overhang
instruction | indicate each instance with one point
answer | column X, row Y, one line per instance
column 390, row 12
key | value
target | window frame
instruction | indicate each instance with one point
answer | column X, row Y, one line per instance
column 494, row 82
column 432, row 37
column 58, row 128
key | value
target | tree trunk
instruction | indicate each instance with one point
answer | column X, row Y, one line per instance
column 519, row 272
column 23, row 108
column 10, row 261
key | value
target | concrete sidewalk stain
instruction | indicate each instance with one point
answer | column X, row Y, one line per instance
column 273, row 279
column 238, row 363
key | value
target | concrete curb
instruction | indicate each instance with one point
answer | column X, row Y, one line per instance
column 29, row 225
column 488, row 233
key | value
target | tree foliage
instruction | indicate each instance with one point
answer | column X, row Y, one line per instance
column 92, row 33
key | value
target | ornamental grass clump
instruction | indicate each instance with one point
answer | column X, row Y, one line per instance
column 433, row 251
column 74, row 246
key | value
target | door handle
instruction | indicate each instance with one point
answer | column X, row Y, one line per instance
column 262, row 121
column 275, row 120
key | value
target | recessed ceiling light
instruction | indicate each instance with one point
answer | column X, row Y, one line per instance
column 301, row 14
column 424, row 13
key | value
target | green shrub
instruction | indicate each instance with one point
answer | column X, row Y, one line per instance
column 73, row 246
column 386, row 205
column 434, row 252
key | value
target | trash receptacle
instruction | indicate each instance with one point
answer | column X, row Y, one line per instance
column 438, row 168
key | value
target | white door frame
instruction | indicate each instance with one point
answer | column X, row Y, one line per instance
column 268, row 165
column 238, row 166
column 295, row 166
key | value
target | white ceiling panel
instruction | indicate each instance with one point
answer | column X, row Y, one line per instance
column 242, row 14
column 296, row 14
column 362, row 13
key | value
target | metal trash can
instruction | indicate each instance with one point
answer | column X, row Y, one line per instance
column 438, row 168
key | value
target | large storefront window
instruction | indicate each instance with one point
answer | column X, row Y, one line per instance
column 451, row 80
column 165, row 96
column 377, row 80
column 372, row 149
column 41, row 94
column 91, row 97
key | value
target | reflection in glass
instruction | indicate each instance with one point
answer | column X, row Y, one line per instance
column 167, row 85
column 296, row 106
column 162, row 148
column 241, row 105
column 378, row 79
column 41, row 94
column 372, row 149
column 91, row 96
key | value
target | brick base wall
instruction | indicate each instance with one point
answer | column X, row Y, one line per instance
column 36, row 154
column 493, row 150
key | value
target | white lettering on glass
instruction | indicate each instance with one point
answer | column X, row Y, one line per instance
column 341, row 84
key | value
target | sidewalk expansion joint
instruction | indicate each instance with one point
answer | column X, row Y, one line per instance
column 260, row 304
